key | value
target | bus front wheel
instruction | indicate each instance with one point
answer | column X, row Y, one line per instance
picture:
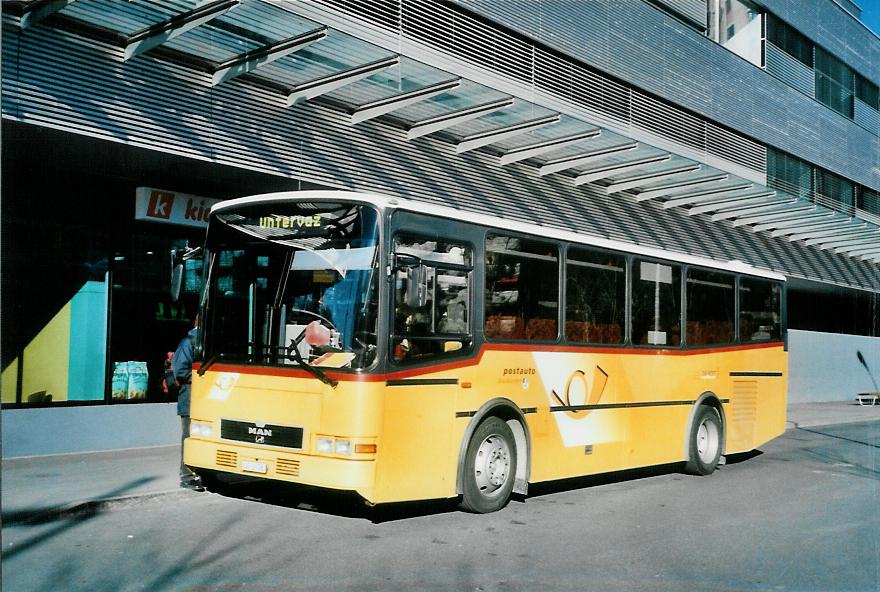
column 704, row 442
column 489, row 467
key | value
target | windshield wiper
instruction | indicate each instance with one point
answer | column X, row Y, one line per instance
column 316, row 372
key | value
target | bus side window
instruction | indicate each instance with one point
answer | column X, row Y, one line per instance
column 595, row 297
column 760, row 310
column 522, row 289
column 710, row 308
column 656, row 304
column 438, row 322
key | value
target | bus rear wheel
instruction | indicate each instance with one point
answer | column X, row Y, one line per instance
column 704, row 442
column 489, row 467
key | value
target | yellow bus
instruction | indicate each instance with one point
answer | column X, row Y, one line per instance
column 403, row 350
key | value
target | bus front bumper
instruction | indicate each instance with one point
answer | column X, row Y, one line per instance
column 330, row 472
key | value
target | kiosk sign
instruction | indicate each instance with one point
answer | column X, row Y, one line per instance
column 171, row 207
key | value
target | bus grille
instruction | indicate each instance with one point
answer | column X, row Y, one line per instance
column 226, row 458
column 289, row 467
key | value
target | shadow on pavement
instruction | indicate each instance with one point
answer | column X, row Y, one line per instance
column 739, row 457
column 561, row 485
column 875, row 444
column 44, row 515
column 336, row 503
column 70, row 516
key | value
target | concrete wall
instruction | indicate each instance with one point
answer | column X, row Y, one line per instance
column 825, row 367
column 35, row 432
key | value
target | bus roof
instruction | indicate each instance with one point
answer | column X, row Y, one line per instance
column 384, row 202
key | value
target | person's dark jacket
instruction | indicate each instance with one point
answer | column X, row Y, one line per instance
column 182, row 364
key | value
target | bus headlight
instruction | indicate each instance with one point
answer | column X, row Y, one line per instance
column 204, row 429
column 343, row 446
column 324, row 445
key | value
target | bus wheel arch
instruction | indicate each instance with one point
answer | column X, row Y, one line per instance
column 705, row 435
column 505, row 410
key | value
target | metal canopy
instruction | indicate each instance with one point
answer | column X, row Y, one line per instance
column 796, row 211
column 739, row 209
column 852, row 238
column 441, row 122
column 384, row 106
column 709, row 195
column 738, row 205
column 646, row 179
column 668, row 188
column 36, row 12
column 515, row 129
column 321, row 86
column 539, row 148
column 251, row 60
column 821, row 236
column 272, row 44
column 813, row 224
column 621, row 167
column 584, row 158
column 155, row 35
column 843, row 246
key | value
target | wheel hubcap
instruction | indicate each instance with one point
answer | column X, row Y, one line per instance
column 492, row 466
column 707, row 441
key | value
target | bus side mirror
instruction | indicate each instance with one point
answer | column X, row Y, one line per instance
column 416, row 294
column 176, row 274
column 179, row 257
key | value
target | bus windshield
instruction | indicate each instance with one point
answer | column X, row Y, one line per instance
column 293, row 284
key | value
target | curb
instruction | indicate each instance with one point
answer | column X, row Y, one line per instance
column 795, row 425
column 85, row 509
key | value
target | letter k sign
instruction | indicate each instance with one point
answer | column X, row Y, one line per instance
column 160, row 205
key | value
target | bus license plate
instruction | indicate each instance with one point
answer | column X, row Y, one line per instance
column 254, row 467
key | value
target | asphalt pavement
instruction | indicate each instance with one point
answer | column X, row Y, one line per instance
column 40, row 488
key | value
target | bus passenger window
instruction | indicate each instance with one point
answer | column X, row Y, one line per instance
column 595, row 292
column 656, row 304
column 760, row 311
column 522, row 289
column 440, row 322
column 710, row 308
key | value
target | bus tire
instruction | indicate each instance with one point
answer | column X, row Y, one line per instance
column 489, row 467
column 704, row 442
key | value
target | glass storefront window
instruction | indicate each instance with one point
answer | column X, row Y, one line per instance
column 54, row 290
column 145, row 323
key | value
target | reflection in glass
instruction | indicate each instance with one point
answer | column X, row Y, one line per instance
column 710, row 308
column 440, row 322
column 595, row 297
column 522, row 289
column 293, row 283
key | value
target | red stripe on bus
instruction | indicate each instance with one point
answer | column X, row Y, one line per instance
column 473, row 361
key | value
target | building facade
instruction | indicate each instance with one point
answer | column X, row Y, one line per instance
column 729, row 129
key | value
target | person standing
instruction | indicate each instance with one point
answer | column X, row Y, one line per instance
column 182, row 365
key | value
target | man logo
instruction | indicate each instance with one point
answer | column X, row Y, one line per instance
column 260, row 440
column 160, row 205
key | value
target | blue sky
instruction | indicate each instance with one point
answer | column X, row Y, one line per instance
column 870, row 14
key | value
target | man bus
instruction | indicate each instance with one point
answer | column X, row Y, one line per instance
column 388, row 347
